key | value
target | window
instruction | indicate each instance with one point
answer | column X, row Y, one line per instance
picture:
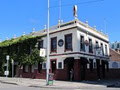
column 60, row 65
column 106, row 53
column 82, row 43
column 114, row 65
column 102, row 49
column 68, row 42
column 39, row 67
column 90, row 46
column 54, row 44
column 97, row 45
column 40, row 44
column 44, row 65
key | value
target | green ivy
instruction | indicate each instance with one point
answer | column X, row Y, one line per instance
column 21, row 50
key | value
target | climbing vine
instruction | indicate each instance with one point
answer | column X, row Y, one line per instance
column 23, row 50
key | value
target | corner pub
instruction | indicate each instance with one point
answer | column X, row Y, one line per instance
column 73, row 45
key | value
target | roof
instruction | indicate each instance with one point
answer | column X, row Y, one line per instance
column 73, row 23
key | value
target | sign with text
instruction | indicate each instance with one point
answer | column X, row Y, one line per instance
column 6, row 73
column 42, row 52
column 7, row 57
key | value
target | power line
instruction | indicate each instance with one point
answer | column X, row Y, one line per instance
column 94, row 1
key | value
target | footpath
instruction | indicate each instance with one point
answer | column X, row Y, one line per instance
column 41, row 83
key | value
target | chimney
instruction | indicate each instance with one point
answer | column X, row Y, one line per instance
column 14, row 36
column 95, row 27
column 101, row 31
column 86, row 23
column 23, row 33
column 59, row 23
column 33, row 30
column 44, row 28
column 7, row 38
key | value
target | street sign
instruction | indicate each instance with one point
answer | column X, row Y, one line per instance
column 6, row 73
column 7, row 57
column 42, row 52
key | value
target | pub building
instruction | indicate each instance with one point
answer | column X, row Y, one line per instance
column 73, row 45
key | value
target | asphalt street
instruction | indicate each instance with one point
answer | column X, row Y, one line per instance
column 4, row 86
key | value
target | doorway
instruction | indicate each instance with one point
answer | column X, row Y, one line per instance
column 83, row 67
column 69, row 62
column 53, row 66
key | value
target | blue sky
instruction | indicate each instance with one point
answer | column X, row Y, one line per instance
column 18, row 16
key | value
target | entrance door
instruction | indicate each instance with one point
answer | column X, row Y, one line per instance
column 83, row 72
column 98, row 68
column 53, row 66
column 103, row 69
column 69, row 65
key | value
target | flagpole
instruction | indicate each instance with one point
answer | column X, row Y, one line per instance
column 48, row 62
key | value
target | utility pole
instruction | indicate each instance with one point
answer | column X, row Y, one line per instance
column 48, row 62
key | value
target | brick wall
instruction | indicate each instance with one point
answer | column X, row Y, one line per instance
column 113, row 74
column 115, row 56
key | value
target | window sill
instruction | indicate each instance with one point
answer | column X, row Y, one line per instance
column 91, row 52
column 68, row 50
column 82, row 50
column 53, row 51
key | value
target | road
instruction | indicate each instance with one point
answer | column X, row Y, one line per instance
column 4, row 86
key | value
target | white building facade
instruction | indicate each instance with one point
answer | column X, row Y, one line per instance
column 75, row 45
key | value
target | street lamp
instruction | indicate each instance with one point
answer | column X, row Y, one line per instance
column 47, row 74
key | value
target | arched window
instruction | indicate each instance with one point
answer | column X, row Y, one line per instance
column 114, row 65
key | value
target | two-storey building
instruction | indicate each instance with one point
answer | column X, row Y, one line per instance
column 73, row 45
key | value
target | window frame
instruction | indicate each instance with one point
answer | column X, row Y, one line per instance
column 65, row 46
column 59, row 64
column 96, row 44
column 39, row 46
column 90, row 51
column 52, row 49
column 82, row 49
column 44, row 63
column 102, row 46
column 106, row 50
